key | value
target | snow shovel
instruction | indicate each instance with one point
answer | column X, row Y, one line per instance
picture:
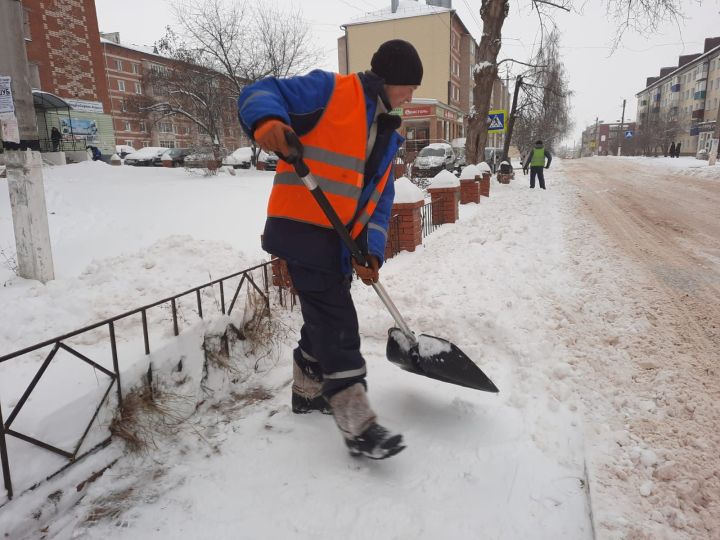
column 425, row 355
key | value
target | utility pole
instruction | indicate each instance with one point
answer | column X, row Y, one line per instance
column 511, row 120
column 620, row 132
column 712, row 157
column 597, row 137
column 20, row 141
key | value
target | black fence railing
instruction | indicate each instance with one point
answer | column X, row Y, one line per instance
column 428, row 225
column 256, row 278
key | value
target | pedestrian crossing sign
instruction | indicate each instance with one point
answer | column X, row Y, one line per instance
column 628, row 134
column 496, row 121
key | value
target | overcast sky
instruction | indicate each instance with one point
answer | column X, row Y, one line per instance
column 599, row 79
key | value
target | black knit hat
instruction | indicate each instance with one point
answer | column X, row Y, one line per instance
column 398, row 63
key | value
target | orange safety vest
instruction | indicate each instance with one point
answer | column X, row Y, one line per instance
column 335, row 151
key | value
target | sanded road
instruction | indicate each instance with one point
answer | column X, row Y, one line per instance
column 663, row 228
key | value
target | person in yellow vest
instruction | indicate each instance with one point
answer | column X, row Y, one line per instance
column 349, row 139
column 536, row 160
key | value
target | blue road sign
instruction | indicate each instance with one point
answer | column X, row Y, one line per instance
column 496, row 121
column 628, row 134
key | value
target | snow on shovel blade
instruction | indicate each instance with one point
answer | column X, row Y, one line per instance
column 436, row 358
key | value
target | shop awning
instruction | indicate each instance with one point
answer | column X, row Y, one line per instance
column 48, row 101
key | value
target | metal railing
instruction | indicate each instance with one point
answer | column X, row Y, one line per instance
column 59, row 343
column 428, row 225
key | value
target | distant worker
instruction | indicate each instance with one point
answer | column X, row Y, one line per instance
column 677, row 149
column 536, row 161
column 671, row 151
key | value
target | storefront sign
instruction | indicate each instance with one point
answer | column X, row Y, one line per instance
column 85, row 106
column 6, row 99
column 78, row 129
column 448, row 114
column 417, row 111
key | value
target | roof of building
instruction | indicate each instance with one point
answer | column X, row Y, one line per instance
column 145, row 49
column 712, row 45
column 406, row 9
column 48, row 101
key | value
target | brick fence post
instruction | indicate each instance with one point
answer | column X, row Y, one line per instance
column 444, row 192
column 409, row 225
column 484, row 170
column 469, row 191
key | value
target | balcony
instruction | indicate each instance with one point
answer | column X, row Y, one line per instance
column 698, row 114
column 675, row 87
column 699, row 95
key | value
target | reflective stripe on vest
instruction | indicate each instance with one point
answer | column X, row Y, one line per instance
column 335, row 153
column 367, row 212
column 538, row 157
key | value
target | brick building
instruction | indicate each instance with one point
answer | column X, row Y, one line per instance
column 65, row 61
column 127, row 69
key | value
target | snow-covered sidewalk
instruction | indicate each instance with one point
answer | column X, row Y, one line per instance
column 506, row 466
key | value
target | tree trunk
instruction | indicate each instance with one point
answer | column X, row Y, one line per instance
column 511, row 120
column 493, row 14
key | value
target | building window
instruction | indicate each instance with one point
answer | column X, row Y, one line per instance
column 142, row 126
column 167, row 144
column 118, row 65
column 138, row 88
column 129, row 143
column 165, row 127
column 121, row 85
column 146, row 144
column 187, row 130
column 123, row 106
column 135, row 68
column 127, row 125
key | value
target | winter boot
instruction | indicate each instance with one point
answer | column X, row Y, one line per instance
column 357, row 422
column 307, row 392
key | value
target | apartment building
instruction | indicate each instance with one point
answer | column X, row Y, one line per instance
column 130, row 88
column 448, row 51
column 686, row 99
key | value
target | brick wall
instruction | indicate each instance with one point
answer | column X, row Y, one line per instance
column 65, row 46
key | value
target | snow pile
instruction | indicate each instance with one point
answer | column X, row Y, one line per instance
column 407, row 192
column 444, row 179
column 470, row 172
column 484, row 167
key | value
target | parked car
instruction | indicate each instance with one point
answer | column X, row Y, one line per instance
column 175, row 155
column 432, row 159
column 240, row 158
column 458, row 146
column 144, row 157
column 269, row 161
column 123, row 150
column 199, row 158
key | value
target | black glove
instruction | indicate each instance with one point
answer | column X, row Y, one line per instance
column 547, row 166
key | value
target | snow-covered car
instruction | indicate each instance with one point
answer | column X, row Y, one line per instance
column 240, row 158
column 144, row 157
column 432, row 159
column 268, row 160
column 123, row 150
column 458, row 146
column 175, row 155
column 200, row 158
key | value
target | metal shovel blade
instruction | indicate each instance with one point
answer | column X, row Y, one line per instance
column 436, row 358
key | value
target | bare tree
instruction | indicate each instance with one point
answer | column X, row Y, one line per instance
column 544, row 111
column 642, row 16
column 246, row 41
